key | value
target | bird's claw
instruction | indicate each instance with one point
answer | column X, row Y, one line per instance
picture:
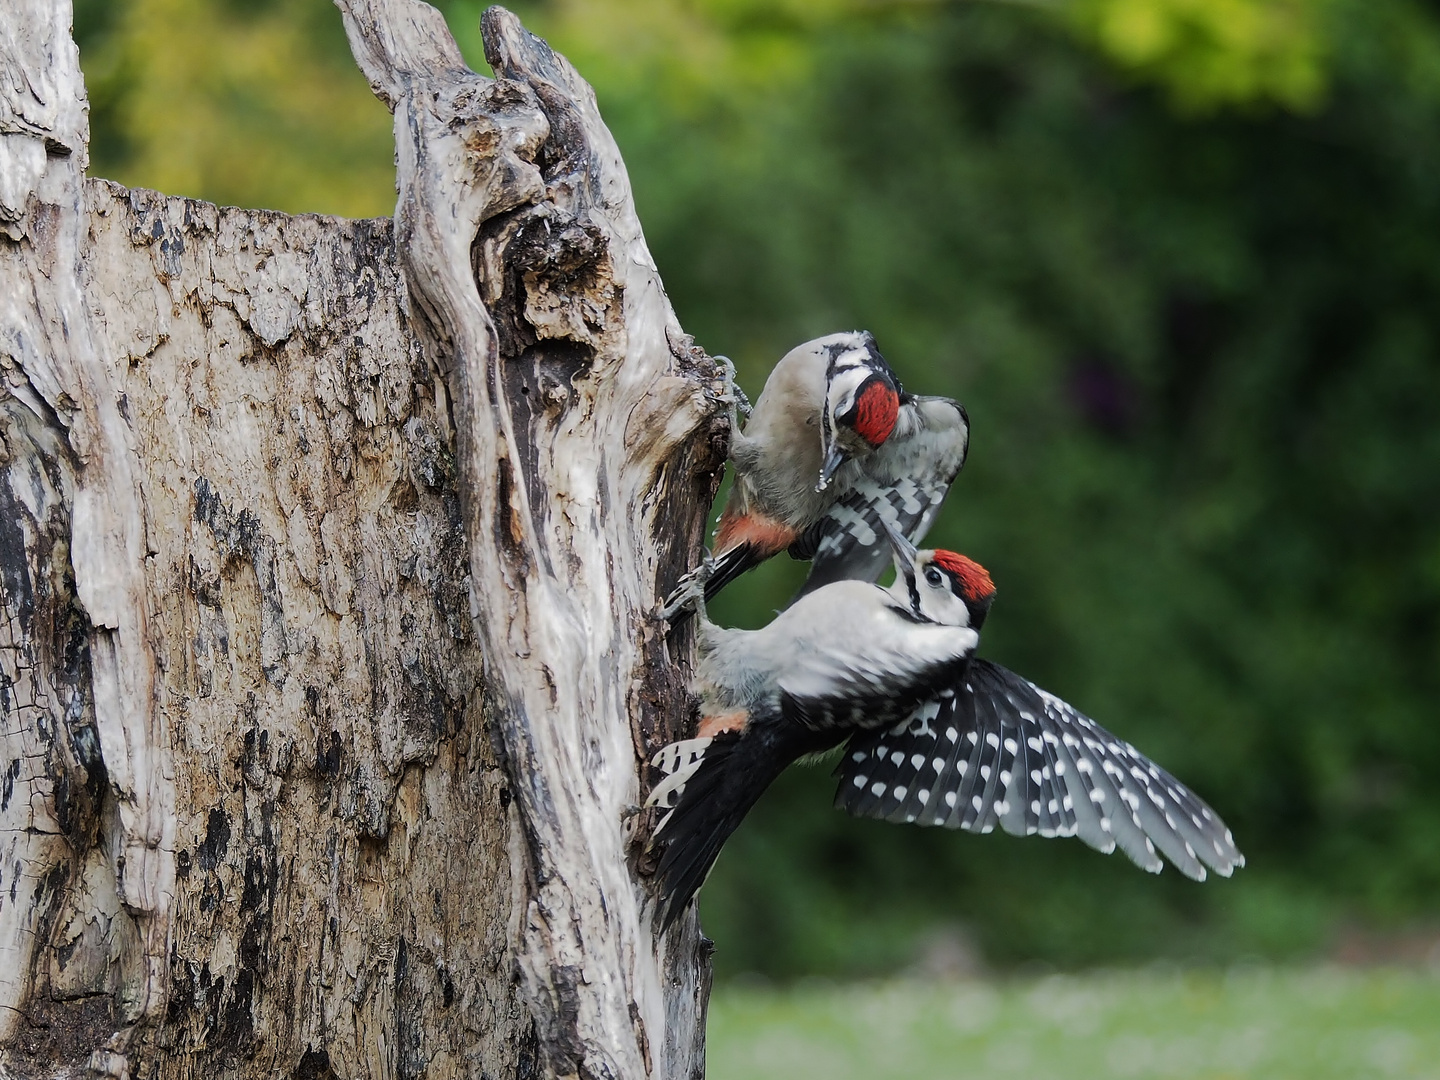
column 689, row 591
column 733, row 395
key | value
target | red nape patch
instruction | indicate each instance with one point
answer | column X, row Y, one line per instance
column 974, row 579
column 875, row 411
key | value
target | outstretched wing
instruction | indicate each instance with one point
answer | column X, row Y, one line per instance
column 999, row 750
column 903, row 482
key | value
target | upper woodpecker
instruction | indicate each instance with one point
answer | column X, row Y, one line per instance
column 832, row 446
column 935, row 735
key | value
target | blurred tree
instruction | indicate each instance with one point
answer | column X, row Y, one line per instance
column 1210, row 53
column 244, row 102
column 1181, row 259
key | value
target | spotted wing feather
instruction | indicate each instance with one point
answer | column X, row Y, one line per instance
column 1002, row 751
column 902, row 483
column 849, row 543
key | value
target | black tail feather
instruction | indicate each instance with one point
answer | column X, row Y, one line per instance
column 736, row 770
column 729, row 565
column 715, row 801
column 723, row 569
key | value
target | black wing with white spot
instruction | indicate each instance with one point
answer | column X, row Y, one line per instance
column 903, row 482
column 999, row 750
column 849, row 543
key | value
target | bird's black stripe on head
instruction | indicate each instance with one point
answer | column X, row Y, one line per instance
column 860, row 356
column 953, row 578
column 914, row 595
column 906, row 614
column 836, row 351
column 879, row 363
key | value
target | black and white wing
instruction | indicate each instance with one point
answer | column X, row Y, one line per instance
column 996, row 749
column 903, row 482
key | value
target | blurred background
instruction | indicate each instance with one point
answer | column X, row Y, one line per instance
column 1181, row 261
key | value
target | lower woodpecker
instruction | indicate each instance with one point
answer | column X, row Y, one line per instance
column 933, row 735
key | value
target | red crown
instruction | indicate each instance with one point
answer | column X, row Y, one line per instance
column 974, row 579
column 875, row 412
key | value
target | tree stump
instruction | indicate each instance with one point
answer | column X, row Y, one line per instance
column 328, row 557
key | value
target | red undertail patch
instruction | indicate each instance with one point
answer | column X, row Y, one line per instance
column 764, row 534
column 711, row 726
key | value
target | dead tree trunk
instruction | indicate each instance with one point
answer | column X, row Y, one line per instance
column 327, row 556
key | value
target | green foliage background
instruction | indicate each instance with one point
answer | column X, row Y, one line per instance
column 1181, row 260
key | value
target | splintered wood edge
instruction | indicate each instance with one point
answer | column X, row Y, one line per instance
column 399, row 42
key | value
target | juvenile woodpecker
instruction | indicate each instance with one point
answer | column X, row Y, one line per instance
column 899, row 486
column 832, row 446
column 935, row 735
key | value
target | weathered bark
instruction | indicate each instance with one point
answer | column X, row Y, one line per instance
column 328, row 550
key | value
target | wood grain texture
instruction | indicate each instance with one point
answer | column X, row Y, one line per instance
column 54, row 367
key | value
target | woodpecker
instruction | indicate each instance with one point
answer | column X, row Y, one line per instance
column 933, row 735
column 832, row 445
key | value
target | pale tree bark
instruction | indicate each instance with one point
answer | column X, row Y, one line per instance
column 328, row 556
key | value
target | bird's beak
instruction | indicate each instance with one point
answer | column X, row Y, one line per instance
column 905, row 553
column 834, row 458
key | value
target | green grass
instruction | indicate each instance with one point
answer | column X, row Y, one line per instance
column 1307, row 1024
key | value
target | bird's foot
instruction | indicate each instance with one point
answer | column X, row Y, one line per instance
column 733, row 395
column 689, row 592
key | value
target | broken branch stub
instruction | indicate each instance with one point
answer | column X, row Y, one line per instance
column 588, row 440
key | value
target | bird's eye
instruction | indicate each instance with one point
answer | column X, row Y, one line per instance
column 933, row 576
